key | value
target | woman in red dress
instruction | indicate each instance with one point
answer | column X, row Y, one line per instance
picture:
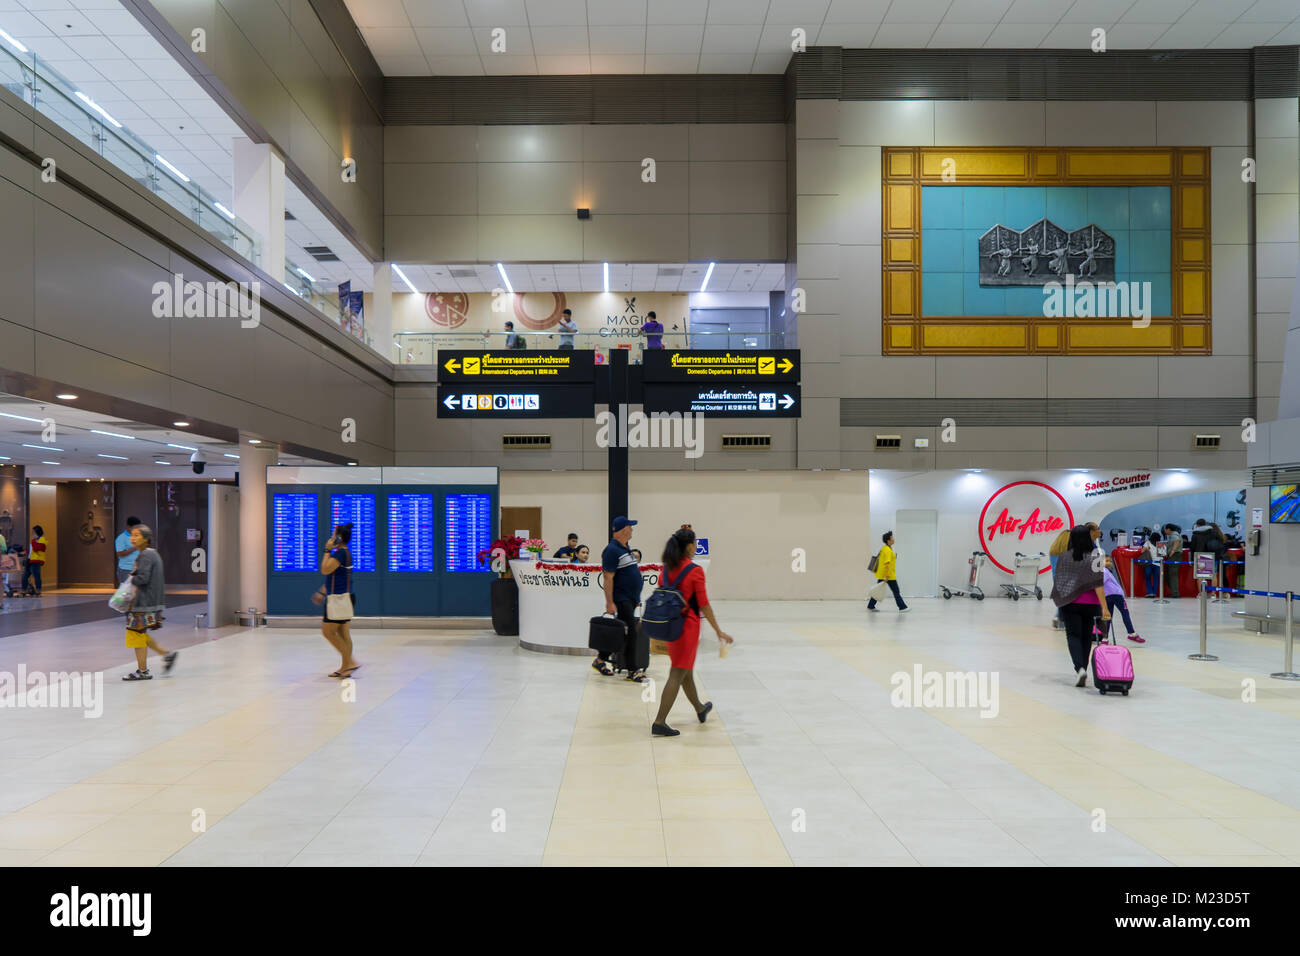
column 681, row 652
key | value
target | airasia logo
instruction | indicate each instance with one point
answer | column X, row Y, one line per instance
column 1024, row 510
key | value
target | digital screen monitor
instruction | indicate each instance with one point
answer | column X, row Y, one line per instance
column 468, row 531
column 293, row 532
column 410, row 532
column 1284, row 504
column 359, row 509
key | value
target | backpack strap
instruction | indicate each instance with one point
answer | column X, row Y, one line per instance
column 682, row 575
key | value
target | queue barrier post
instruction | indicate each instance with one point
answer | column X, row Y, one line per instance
column 1203, row 600
column 1222, row 597
column 1160, row 573
column 1286, row 672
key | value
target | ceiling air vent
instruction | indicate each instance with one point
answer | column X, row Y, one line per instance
column 463, row 273
column 1206, row 441
column 320, row 253
column 889, row 441
column 529, row 442
column 747, row 442
column 667, row 273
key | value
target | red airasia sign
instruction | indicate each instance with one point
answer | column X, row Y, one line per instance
column 1023, row 516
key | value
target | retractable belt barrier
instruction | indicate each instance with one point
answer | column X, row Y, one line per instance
column 1287, row 672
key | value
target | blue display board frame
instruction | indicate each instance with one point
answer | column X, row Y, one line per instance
column 384, row 592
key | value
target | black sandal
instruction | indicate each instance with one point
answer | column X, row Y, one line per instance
column 638, row 677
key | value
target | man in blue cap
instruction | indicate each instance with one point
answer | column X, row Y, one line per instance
column 621, row 582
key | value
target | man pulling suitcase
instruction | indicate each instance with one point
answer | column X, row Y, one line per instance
column 621, row 581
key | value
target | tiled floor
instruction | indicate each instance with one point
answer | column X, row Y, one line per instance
column 458, row 748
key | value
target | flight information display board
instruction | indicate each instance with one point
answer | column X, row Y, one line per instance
column 410, row 533
column 468, row 531
column 294, row 532
column 358, row 508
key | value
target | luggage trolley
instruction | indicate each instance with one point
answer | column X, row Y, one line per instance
column 1025, row 579
column 976, row 562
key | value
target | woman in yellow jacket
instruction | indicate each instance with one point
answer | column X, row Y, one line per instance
column 885, row 576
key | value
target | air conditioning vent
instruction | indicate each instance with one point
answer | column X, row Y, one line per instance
column 889, row 441
column 463, row 273
column 666, row 272
column 526, row 442
column 747, row 442
column 321, row 253
column 1206, row 441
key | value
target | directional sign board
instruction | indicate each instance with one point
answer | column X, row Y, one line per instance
column 749, row 399
column 697, row 365
column 516, row 401
column 511, row 365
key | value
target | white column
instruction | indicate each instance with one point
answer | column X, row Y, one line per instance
column 379, row 321
column 259, row 199
column 253, row 462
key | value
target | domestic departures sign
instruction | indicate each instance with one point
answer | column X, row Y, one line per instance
column 568, row 366
column 695, row 365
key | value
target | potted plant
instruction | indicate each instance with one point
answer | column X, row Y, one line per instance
column 535, row 547
column 504, row 590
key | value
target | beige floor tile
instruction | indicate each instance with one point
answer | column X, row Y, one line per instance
column 722, row 805
column 1126, row 803
column 557, row 859
column 577, row 838
column 104, row 858
column 719, row 839
column 185, row 798
column 1231, row 802
column 1078, row 774
column 140, row 832
column 607, row 805
column 110, row 798
column 1228, row 861
column 728, row 862
column 1193, row 836
column 21, row 857
column 33, row 832
column 160, row 774
column 688, row 756
column 611, row 754
column 704, row 779
column 237, row 774
column 602, row 777
column 1280, row 836
column 1167, row 777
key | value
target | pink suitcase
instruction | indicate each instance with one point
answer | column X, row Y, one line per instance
column 1112, row 665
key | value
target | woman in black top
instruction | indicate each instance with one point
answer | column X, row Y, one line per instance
column 336, row 565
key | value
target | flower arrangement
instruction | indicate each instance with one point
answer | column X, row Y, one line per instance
column 505, row 548
column 535, row 545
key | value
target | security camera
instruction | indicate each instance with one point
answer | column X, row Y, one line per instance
column 198, row 461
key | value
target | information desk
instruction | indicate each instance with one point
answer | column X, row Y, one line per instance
column 557, row 602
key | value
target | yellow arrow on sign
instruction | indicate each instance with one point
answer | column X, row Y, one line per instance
column 786, row 365
column 451, row 365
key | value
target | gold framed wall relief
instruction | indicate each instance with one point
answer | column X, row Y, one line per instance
column 1045, row 251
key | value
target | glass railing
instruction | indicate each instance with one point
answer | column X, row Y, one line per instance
column 37, row 83
column 421, row 348
column 325, row 300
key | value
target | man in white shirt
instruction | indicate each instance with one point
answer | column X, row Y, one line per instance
column 567, row 328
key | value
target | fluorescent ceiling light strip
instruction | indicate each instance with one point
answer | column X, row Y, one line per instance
column 177, row 172
column 402, row 275
column 50, row 463
column 229, row 455
column 186, row 447
column 22, row 418
column 223, row 210
column 97, row 108
column 14, row 43
column 606, row 276
column 303, row 274
column 113, row 434
column 42, row 447
column 5, row 458
column 117, row 457
column 162, row 462
column 705, row 284
column 505, row 278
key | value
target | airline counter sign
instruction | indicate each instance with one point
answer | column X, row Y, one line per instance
column 1024, row 516
column 693, row 365
column 567, row 365
column 733, row 400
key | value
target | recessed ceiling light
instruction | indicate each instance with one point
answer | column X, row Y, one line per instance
column 97, row 431
column 21, row 418
column 229, row 455
column 49, row 463
column 162, row 462
column 186, row 447
column 181, row 424
column 35, row 482
column 66, row 396
column 115, row 457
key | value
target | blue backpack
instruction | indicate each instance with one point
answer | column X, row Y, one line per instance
column 664, row 616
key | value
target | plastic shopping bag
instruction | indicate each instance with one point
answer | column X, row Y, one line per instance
column 122, row 598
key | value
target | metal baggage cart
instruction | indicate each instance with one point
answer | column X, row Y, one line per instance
column 976, row 562
column 1025, row 578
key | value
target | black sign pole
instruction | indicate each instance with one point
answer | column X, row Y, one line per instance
column 618, row 405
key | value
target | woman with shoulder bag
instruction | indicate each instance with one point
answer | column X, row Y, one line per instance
column 336, row 595
column 1079, row 590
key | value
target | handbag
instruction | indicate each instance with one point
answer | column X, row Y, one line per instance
column 874, row 562
column 341, row 606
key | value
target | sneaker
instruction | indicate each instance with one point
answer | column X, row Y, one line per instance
column 1136, row 639
column 873, row 609
column 138, row 674
column 169, row 662
column 1082, row 676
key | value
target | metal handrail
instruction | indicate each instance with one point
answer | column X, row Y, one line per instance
column 49, row 92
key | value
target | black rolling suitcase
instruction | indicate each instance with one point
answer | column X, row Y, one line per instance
column 607, row 635
column 635, row 653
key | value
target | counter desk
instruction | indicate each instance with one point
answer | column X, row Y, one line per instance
column 557, row 602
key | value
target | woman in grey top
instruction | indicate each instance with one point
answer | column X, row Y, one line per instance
column 1079, row 590
column 145, row 613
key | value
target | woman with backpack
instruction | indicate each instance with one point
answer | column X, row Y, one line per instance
column 681, row 653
